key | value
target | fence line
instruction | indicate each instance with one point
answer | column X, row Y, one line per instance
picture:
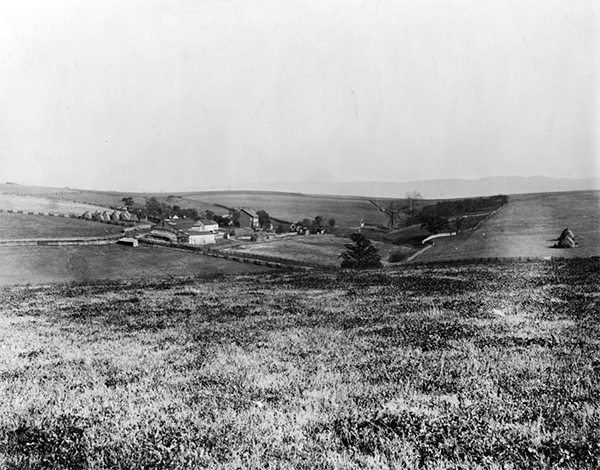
column 494, row 259
column 104, row 240
column 233, row 255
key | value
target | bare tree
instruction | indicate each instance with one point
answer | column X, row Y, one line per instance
column 458, row 221
column 412, row 196
column 393, row 211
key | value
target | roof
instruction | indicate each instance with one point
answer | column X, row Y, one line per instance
column 180, row 224
column 207, row 222
column 250, row 212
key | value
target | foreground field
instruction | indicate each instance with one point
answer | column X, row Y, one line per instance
column 52, row 264
column 528, row 226
column 482, row 366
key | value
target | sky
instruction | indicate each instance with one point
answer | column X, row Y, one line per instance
column 165, row 95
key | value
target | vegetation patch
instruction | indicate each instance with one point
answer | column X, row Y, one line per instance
column 482, row 365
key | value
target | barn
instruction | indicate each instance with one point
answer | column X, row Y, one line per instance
column 205, row 225
column 248, row 218
column 184, row 231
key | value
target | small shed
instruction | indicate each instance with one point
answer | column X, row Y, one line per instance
column 128, row 241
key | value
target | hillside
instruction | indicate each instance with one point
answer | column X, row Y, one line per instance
column 482, row 366
column 293, row 207
column 528, row 226
column 438, row 188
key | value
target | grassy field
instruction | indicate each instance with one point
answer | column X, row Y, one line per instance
column 528, row 226
column 19, row 226
column 52, row 264
column 44, row 204
column 346, row 211
column 322, row 250
column 483, row 366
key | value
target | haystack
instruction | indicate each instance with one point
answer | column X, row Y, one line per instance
column 566, row 239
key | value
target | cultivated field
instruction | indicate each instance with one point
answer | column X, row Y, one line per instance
column 52, row 264
column 323, row 250
column 24, row 226
column 44, row 204
column 491, row 366
column 528, row 226
column 346, row 211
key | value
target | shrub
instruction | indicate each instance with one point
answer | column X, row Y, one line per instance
column 361, row 254
column 396, row 257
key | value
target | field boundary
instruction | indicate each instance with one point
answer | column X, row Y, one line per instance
column 104, row 240
column 239, row 256
column 497, row 259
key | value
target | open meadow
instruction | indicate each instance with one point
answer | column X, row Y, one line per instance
column 45, row 204
column 321, row 250
column 53, row 264
column 528, row 226
column 493, row 366
column 347, row 211
column 25, row 226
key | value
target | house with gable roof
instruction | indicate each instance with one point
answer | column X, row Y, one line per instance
column 248, row 218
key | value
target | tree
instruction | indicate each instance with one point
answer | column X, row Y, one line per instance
column 264, row 220
column 361, row 254
column 393, row 211
column 128, row 202
column 433, row 219
column 157, row 209
column 458, row 221
column 412, row 196
column 317, row 224
column 235, row 218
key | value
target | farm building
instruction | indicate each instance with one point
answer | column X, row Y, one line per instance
column 184, row 231
column 128, row 241
column 248, row 218
column 205, row 225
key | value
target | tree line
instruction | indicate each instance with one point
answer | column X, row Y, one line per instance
column 443, row 215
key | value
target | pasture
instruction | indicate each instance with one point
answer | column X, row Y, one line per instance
column 54, row 264
column 323, row 250
column 528, row 226
column 482, row 366
column 24, row 226
column 347, row 211
column 45, row 204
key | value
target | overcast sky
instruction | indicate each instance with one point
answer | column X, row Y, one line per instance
column 216, row 94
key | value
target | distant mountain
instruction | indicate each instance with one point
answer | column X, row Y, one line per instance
column 436, row 189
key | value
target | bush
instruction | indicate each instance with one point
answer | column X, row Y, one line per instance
column 396, row 257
